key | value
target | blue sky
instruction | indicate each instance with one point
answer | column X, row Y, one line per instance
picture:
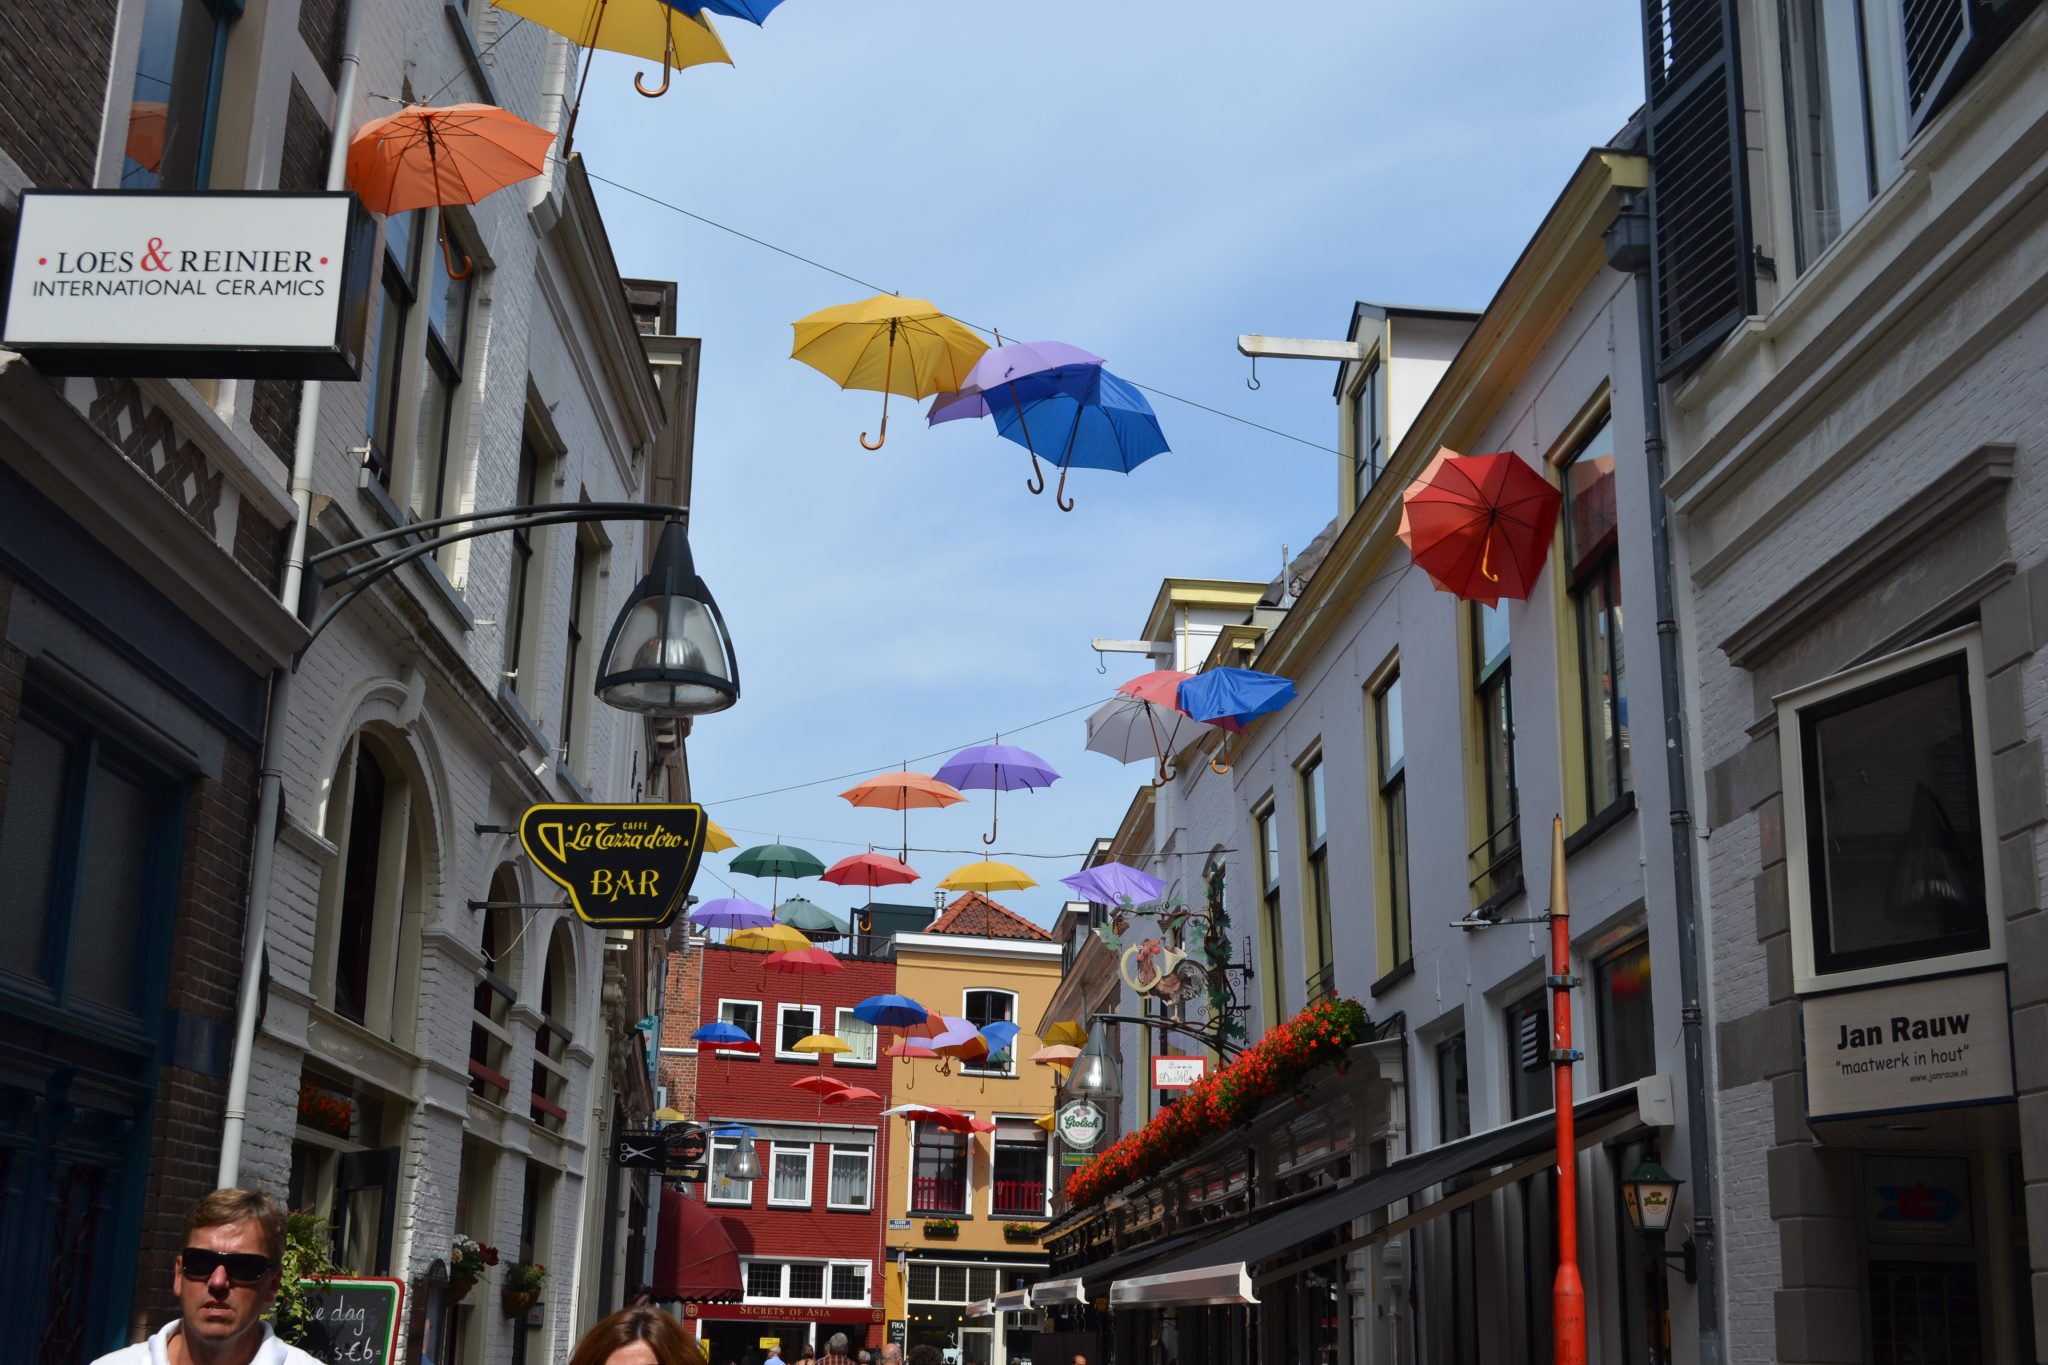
column 1144, row 179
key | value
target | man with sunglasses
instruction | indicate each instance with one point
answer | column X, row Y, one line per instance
column 225, row 1280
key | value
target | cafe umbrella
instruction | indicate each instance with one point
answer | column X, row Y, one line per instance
column 997, row 768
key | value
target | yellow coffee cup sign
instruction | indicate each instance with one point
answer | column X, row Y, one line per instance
column 626, row 865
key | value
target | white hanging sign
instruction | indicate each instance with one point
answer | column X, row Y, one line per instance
column 1921, row 1044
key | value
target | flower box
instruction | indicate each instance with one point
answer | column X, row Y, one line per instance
column 941, row 1227
column 1020, row 1232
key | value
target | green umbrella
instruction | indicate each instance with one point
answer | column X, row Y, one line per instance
column 777, row 860
column 816, row 922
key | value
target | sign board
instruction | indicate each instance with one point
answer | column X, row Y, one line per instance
column 626, row 865
column 1911, row 1045
column 1177, row 1073
column 899, row 1331
column 1080, row 1124
column 353, row 1321
column 1075, row 1158
column 899, row 1225
column 1916, row 1201
column 219, row 285
column 639, row 1151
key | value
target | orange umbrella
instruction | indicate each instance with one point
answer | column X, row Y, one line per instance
column 904, row 791
column 147, row 120
column 424, row 157
column 1480, row 525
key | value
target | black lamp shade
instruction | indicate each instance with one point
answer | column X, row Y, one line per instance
column 669, row 653
column 1650, row 1194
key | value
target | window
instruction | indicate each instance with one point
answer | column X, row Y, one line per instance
column 550, row 1098
column 1593, row 565
column 764, row 1279
column 1888, row 819
column 806, row 1281
column 1453, row 1090
column 857, row 1033
column 516, row 603
column 1844, row 112
column 1497, row 860
column 169, row 140
column 982, row 1008
column 793, row 1024
column 938, row 1171
column 574, row 662
column 718, row 1189
column 1271, row 940
column 789, row 1177
column 1391, row 744
column 490, row 1033
column 849, row 1282
column 435, row 486
column 1018, row 1183
column 372, row 894
column 850, row 1179
column 1628, row 1037
column 1315, row 837
column 745, row 1014
column 1368, row 432
column 398, row 287
column 1532, row 1088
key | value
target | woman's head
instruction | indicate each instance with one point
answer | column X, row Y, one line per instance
column 638, row 1336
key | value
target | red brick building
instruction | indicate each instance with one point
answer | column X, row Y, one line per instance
column 809, row 1232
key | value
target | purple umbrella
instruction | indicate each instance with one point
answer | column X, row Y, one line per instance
column 997, row 768
column 1113, row 883
column 732, row 912
column 1051, row 366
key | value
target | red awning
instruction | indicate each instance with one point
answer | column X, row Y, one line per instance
column 693, row 1258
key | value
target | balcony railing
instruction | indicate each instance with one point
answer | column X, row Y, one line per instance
column 1323, row 984
column 1498, row 863
column 1019, row 1199
column 946, row 1194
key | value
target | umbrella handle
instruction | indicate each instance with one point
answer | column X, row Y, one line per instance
column 1036, row 483
column 1220, row 769
column 658, row 91
column 1060, row 494
column 995, row 815
column 888, row 369
column 448, row 259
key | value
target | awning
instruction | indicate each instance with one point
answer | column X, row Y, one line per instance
column 1093, row 1279
column 1205, row 1274
column 694, row 1260
column 981, row 1308
column 1013, row 1300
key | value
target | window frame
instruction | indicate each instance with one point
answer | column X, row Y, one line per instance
column 719, row 1016
column 1808, row 974
column 112, row 163
column 1368, row 456
column 586, row 566
column 1598, row 978
column 809, row 1152
column 1272, row 932
column 1317, row 919
column 1009, row 1068
column 446, row 360
column 914, row 1209
column 1597, row 571
column 1394, row 884
column 398, row 286
column 833, row 1152
column 840, row 1015
column 1495, row 861
column 713, row 1180
column 1046, row 1179
column 1534, row 1000
column 826, row 1265
column 520, row 628
column 783, row 1008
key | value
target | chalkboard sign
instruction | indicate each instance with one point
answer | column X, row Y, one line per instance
column 353, row 1321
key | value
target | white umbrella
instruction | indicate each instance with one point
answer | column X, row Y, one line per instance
column 1133, row 731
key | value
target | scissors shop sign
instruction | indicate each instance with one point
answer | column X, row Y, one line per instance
column 627, row 866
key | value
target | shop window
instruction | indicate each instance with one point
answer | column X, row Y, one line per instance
column 1368, row 432
column 793, row 1024
column 1593, row 569
column 436, row 474
column 850, row 1182
column 789, row 1177
column 172, row 103
column 744, row 1014
column 1531, row 1086
column 718, row 1189
column 1621, row 1002
column 549, row 1099
column 1315, row 890
column 1391, row 838
column 1453, row 1090
column 764, row 1279
column 517, row 629
column 1496, row 861
column 490, row 1034
column 938, row 1171
column 858, row 1034
column 1887, row 818
column 982, row 1008
column 373, row 894
column 849, row 1283
column 398, row 287
column 1272, row 936
column 806, row 1281
column 1022, row 1165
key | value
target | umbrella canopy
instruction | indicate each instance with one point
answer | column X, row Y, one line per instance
column 998, row 768
column 999, row 1034
column 1234, row 694
column 903, row 791
column 1103, row 423
column 1114, row 883
column 1007, row 374
column 753, row 11
column 819, row 1084
column 777, row 860
column 818, row 924
column 951, row 1030
column 972, row 1048
column 668, row 1115
column 772, row 938
column 986, row 877
column 1065, row 1031
column 716, row 840
column 870, row 869
column 646, row 29
column 424, row 157
column 916, row 1113
column 816, row 1043
column 890, row 1011
column 910, row 1047
column 1056, row 1054
column 1047, row 1121
column 722, row 1032
column 1133, row 731
column 893, row 344
column 848, row 1094
column 1480, row 525
column 732, row 912
column 805, row 961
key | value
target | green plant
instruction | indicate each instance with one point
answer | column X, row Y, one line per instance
column 1021, row 1232
column 941, row 1227
column 308, row 1255
column 468, row 1261
column 525, row 1277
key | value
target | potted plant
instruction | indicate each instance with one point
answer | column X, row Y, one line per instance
column 326, row 1112
column 1020, row 1232
column 523, row 1281
column 308, row 1255
column 466, row 1265
column 941, row 1227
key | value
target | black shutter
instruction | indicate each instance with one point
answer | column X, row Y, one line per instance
column 1937, row 37
column 1699, row 196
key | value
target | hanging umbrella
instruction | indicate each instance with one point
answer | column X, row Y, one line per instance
column 723, row 1034
column 870, row 869
column 818, row 924
column 1234, row 694
column 917, row 1113
column 647, row 29
column 856, row 345
column 1114, row 883
column 426, row 157
column 890, row 1011
column 1480, row 525
column 668, row 1115
column 1008, row 375
column 753, row 11
column 1104, row 423
column 148, row 121
column 997, row 768
column 986, row 877
column 1047, row 1121
column 1000, row 1035
column 1066, row 1031
column 819, row 1084
column 821, row 1044
column 805, row 961
column 716, row 840
column 772, row 938
column 1056, row 1054
column 911, row 1047
column 732, row 912
column 1133, row 731
column 777, row 860
column 905, row 791
column 848, row 1094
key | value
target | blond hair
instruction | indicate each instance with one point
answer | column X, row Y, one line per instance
column 223, row 1207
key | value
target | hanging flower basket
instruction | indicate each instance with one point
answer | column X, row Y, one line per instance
column 518, row 1302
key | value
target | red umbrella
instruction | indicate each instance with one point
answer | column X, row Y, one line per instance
column 1480, row 525
column 870, row 869
column 848, row 1094
column 819, row 1085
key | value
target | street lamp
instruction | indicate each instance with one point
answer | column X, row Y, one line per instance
column 1094, row 1073
column 745, row 1161
column 1650, row 1194
column 669, row 653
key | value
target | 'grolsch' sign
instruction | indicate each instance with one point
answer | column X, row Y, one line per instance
column 629, row 866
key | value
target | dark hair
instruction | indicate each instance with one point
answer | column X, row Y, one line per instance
column 224, row 1207
column 925, row 1355
column 672, row 1345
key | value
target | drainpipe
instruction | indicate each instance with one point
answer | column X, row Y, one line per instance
column 270, row 774
column 1628, row 249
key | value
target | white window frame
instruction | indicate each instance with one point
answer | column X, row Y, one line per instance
column 867, row 1281
column 839, row 1018
column 995, row 1140
column 867, row 1198
column 723, row 1001
column 1798, row 873
column 721, row 1146
column 778, row 1150
column 827, row 1266
column 783, row 1010
column 967, row 1069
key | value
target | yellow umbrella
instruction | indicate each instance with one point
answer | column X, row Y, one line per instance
column 1064, row 1033
column 1046, row 1121
column 666, row 1115
column 820, row 1042
column 772, row 938
column 986, row 877
column 716, row 840
column 647, row 29
column 855, row 346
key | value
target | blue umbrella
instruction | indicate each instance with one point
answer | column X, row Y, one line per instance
column 1239, row 694
column 722, row 1032
column 1113, row 883
column 1000, row 1034
column 891, row 1011
column 753, row 11
column 1094, row 419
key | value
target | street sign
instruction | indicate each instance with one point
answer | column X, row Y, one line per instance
column 639, row 1151
column 1081, row 1124
column 625, row 865
column 1177, row 1073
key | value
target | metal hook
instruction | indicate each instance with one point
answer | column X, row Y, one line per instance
column 1253, row 382
column 1101, row 663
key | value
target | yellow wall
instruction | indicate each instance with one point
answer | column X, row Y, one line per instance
column 938, row 981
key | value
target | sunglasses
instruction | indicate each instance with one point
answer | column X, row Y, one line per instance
column 243, row 1267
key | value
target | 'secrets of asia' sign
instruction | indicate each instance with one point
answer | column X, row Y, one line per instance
column 627, row 865
column 218, row 285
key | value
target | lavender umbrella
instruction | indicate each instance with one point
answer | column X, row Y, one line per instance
column 732, row 912
column 997, row 768
column 1051, row 366
column 1113, row 883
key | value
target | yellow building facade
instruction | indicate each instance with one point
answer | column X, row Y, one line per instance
column 963, row 1208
